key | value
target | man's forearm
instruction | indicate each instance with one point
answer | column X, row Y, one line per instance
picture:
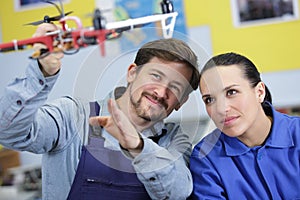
column 20, row 103
column 164, row 175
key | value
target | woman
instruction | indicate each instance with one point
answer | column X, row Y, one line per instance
column 255, row 151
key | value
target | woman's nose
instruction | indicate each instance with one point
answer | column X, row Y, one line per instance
column 222, row 106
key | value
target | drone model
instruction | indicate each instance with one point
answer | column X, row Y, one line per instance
column 69, row 41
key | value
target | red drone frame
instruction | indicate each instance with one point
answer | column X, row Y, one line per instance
column 73, row 39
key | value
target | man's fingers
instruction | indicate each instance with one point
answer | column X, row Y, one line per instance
column 44, row 28
column 109, row 106
column 98, row 121
column 115, row 111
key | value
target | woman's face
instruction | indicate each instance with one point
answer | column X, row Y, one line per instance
column 230, row 101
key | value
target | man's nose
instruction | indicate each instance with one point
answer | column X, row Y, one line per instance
column 161, row 91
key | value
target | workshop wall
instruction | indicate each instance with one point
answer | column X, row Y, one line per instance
column 273, row 47
column 12, row 21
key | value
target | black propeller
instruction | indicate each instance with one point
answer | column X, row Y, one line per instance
column 167, row 6
column 48, row 19
column 98, row 20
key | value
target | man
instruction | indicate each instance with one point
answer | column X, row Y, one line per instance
column 135, row 156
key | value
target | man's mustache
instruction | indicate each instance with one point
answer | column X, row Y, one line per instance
column 160, row 100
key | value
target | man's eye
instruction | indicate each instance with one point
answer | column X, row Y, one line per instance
column 175, row 89
column 231, row 92
column 156, row 76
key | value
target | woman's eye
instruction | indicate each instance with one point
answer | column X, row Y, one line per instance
column 231, row 92
column 208, row 100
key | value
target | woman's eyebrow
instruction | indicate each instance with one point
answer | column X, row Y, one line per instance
column 205, row 96
column 225, row 89
column 230, row 86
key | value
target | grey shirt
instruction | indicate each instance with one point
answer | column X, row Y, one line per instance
column 58, row 130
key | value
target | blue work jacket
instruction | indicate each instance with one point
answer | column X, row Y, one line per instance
column 224, row 168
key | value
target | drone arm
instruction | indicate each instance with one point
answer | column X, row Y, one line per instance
column 11, row 46
column 79, row 37
column 168, row 28
column 140, row 21
column 19, row 44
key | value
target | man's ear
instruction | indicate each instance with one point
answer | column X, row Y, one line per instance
column 183, row 100
column 131, row 72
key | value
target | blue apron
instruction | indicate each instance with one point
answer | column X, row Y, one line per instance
column 95, row 177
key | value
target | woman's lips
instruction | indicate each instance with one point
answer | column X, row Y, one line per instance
column 229, row 121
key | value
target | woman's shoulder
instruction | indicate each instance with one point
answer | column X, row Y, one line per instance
column 211, row 142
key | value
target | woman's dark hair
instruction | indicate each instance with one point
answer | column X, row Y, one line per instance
column 170, row 50
column 247, row 66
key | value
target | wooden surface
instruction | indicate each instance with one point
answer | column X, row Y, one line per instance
column 8, row 159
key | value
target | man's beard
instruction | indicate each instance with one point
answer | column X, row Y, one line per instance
column 145, row 112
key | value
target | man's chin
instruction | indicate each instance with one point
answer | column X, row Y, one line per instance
column 153, row 113
column 152, row 117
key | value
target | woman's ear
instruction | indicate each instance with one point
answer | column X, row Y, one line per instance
column 131, row 72
column 260, row 91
